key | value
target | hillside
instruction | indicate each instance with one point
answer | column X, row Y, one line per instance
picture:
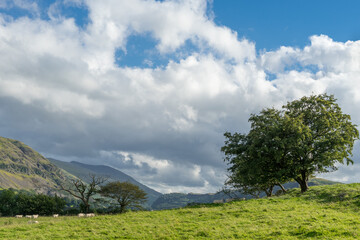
column 176, row 200
column 23, row 168
column 82, row 171
column 324, row 212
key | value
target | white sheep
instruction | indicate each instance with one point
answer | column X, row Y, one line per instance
column 29, row 216
column 35, row 216
column 90, row 215
column 18, row 216
column 31, row 222
column 55, row 215
column 81, row 215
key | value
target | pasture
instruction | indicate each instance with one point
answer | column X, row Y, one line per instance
column 324, row 212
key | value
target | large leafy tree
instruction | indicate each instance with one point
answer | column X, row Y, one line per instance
column 260, row 160
column 125, row 194
column 327, row 139
column 308, row 136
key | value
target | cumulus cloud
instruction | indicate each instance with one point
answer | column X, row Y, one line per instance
column 62, row 93
column 171, row 23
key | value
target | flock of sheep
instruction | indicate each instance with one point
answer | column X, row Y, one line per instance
column 30, row 216
column 56, row 215
column 228, row 200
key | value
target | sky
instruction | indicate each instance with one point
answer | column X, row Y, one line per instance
column 149, row 87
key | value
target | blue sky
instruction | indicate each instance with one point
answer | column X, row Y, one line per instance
column 149, row 87
column 272, row 24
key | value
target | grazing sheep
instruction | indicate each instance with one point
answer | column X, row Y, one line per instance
column 29, row 216
column 81, row 215
column 31, row 222
column 19, row 216
column 55, row 215
column 90, row 215
column 35, row 216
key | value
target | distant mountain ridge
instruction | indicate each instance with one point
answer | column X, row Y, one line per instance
column 82, row 171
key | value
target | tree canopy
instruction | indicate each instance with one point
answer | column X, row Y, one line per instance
column 125, row 194
column 306, row 137
column 328, row 136
column 14, row 202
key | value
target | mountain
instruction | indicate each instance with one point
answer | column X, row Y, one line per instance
column 23, row 168
column 82, row 171
column 176, row 200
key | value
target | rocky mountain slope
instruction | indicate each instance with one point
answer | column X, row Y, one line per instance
column 23, row 168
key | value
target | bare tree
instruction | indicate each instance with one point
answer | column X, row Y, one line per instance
column 83, row 190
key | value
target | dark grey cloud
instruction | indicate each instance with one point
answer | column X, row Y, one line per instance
column 62, row 94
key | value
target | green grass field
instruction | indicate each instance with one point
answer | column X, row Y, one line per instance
column 324, row 212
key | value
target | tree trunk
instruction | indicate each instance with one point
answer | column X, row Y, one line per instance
column 303, row 186
column 282, row 187
column 122, row 208
column 87, row 208
column 269, row 191
column 303, row 182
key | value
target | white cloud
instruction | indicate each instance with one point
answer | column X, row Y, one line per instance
column 61, row 92
column 172, row 23
column 164, row 175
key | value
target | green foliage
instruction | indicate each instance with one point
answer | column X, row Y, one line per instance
column 327, row 136
column 22, row 202
column 260, row 160
column 323, row 212
column 171, row 200
column 309, row 136
column 125, row 194
column 7, row 203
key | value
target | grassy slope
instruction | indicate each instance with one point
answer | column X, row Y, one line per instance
column 23, row 168
column 325, row 212
column 176, row 200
